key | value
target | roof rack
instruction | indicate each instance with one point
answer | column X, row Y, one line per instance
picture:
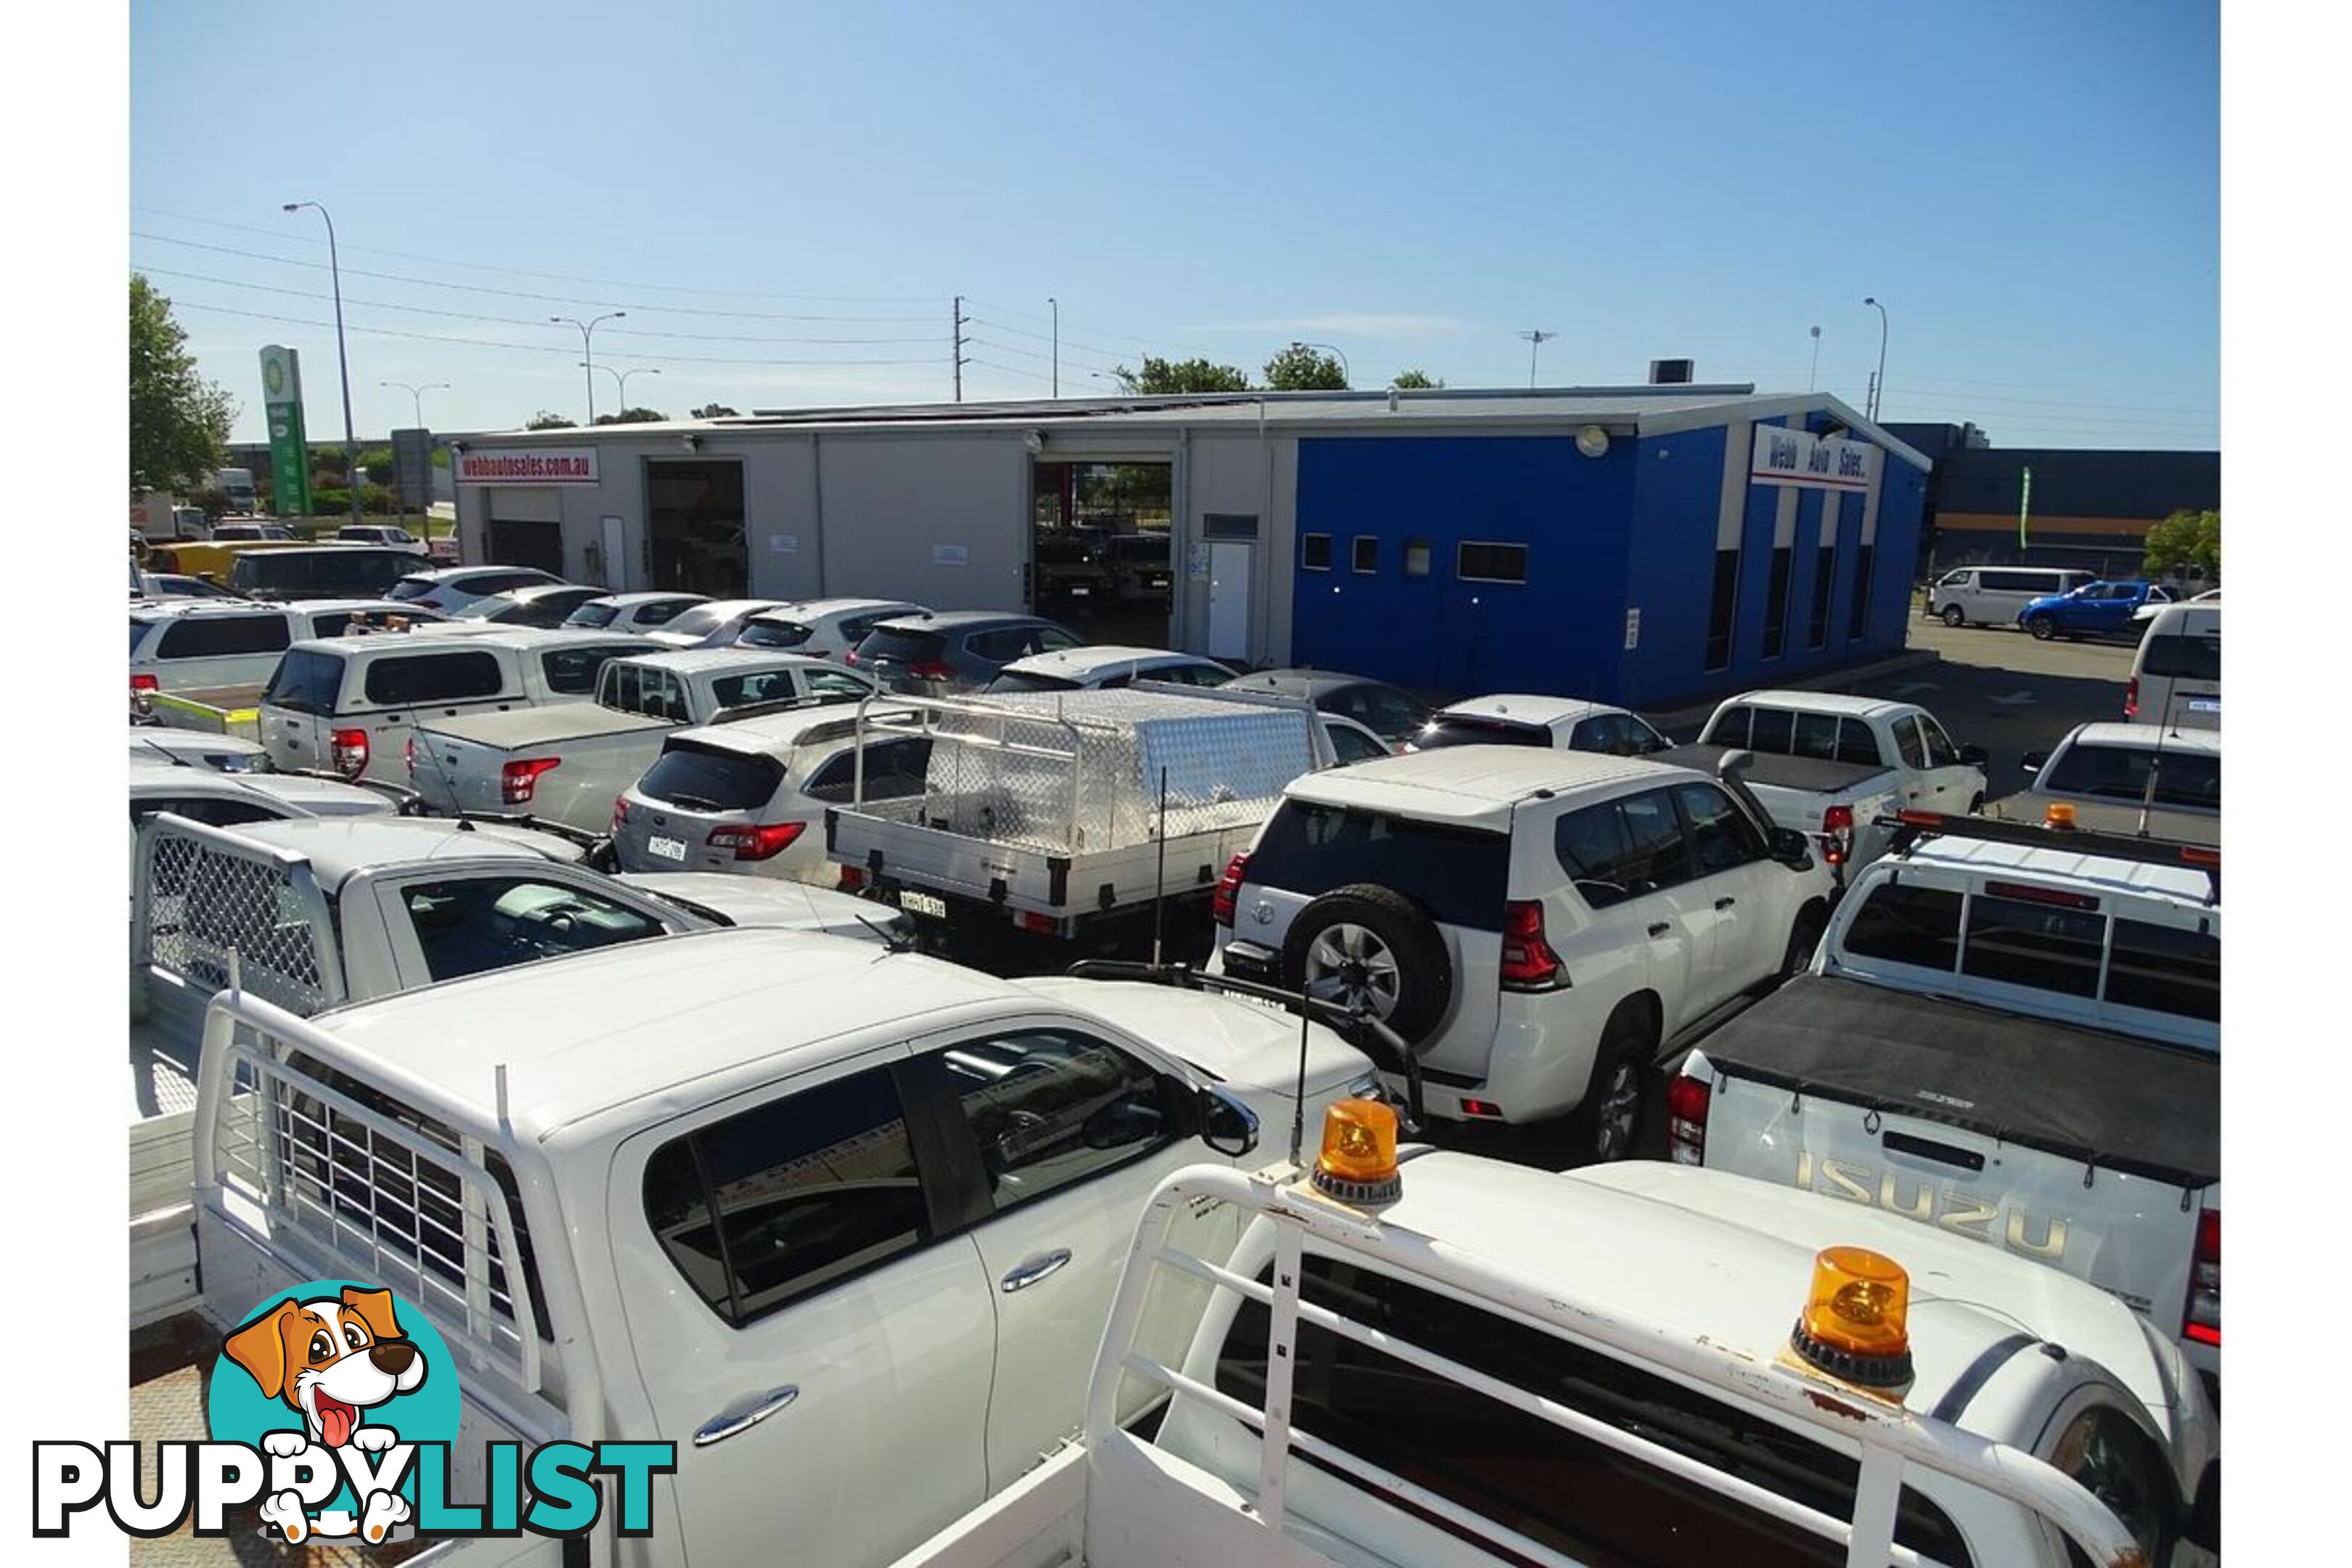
column 1910, row 827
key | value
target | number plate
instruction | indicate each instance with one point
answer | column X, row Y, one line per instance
column 923, row 904
column 668, row 849
column 1080, row 593
column 2204, row 705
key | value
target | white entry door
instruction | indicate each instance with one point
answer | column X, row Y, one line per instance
column 1229, row 596
column 615, row 565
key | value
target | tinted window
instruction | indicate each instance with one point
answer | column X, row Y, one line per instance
column 325, row 572
column 637, row 689
column 1002, row 647
column 1491, row 563
column 1906, row 744
column 2019, row 942
column 1367, row 552
column 1773, row 729
column 661, row 611
column 1383, row 710
column 1722, row 604
column 593, row 613
column 481, row 923
column 1050, row 1108
column 833, row 683
column 2182, row 655
column 894, row 770
column 1593, row 1503
column 138, row 630
column 1623, row 848
column 1026, row 680
column 2182, row 778
column 779, row 1202
column 1721, row 835
column 305, row 681
column 2165, row 970
column 707, row 778
column 1352, row 745
column 1904, row 923
column 572, row 672
column 773, row 634
column 758, row 686
column 1051, row 640
column 1856, row 743
column 220, row 637
column 1452, row 729
column 905, row 645
column 399, row 682
column 1459, row 876
column 1315, row 552
column 1729, row 728
column 205, row 809
column 410, row 588
column 1941, row 752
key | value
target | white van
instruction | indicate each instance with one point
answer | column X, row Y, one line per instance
column 2176, row 680
column 1991, row 595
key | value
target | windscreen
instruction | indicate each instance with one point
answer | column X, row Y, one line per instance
column 1450, row 730
column 696, row 777
column 1460, row 875
column 592, row 614
column 2121, row 772
column 773, row 634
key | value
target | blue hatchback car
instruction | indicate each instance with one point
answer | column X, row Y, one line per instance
column 2094, row 609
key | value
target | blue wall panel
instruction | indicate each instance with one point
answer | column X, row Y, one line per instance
column 1671, row 571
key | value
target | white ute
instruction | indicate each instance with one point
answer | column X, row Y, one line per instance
column 842, row 1224
column 1634, row 1365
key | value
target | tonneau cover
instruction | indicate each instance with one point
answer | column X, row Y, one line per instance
column 1775, row 770
column 2121, row 1103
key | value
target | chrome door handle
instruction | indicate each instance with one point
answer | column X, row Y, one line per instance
column 1662, row 928
column 1725, row 902
column 1033, row 1269
column 744, row 1414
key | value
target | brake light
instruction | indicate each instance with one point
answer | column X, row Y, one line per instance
column 849, row 656
column 2057, row 898
column 408, row 755
column 1528, row 962
column 1031, row 921
column 853, row 877
column 620, row 811
column 1486, row 1108
column 2131, row 698
column 759, row 841
column 2203, row 1323
column 1228, row 890
column 145, row 683
column 519, row 779
column 931, row 669
column 1686, row 1103
column 348, row 749
column 1837, row 834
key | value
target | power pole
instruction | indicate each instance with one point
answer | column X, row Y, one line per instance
column 1536, row 340
column 960, row 340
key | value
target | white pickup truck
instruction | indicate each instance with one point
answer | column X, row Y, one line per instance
column 2011, row 1034
column 1833, row 766
column 1503, row 1366
column 846, row 1239
column 568, row 761
column 317, row 912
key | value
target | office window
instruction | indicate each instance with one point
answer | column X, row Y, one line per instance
column 1720, row 610
column 1416, row 558
column 1228, row 525
column 1860, row 621
column 1315, row 553
column 1483, row 563
column 1776, row 603
column 1367, row 553
column 1817, row 632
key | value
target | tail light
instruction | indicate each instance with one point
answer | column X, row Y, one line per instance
column 2131, row 698
column 931, row 669
column 1687, row 1102
column 2204, row 1319
column 1228, row 890
column 620, row 811
column 348, row 751
column 849, row 656
column 1528, row 962
column 408, row 755
column 759, row 841
column 519, row 779
column 145, row 683
column 1837, row 834
column 1031, row 921
column 853, row 877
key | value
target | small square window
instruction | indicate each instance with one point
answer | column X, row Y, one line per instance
column 1315, row 553
column 1416, row 558
column 1367, row 552
column 1482, row 563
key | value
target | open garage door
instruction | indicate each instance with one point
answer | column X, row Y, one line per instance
column 1099, row 556
column 695, row 527
column 526, row 527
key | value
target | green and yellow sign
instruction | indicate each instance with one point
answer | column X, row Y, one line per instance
column 290, row 451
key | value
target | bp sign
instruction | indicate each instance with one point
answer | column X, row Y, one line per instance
column 290, row 452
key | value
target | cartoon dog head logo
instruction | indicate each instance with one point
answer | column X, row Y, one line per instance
column 335, row 1354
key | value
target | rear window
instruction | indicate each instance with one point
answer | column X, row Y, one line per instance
column 1782, row 732
column 1460, row 875
column 773, row 634
column 894, row 770
column 574, row 672
column 1022, row 680
column 2183, row 656
column 592, row 615
column 319, row 572
column 2021, row 942
column 698, row 777
column 1444, row 731
column 410, row 588
column 2165, row 970
column 453, row 677
column 221, row 636
column 699, row 621
column 1907, row 924
column 305, row 681
column 906, row 647
column 2121, row 772
column 755, row 686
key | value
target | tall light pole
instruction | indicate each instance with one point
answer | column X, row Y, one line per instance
column 1057, row 343
column 1814, row 374
column 621, row 377
column 1345, row 373
column 1878, row 381
column 1536, row 340
column 342, row 361
column 416, row 394
column 587, row 353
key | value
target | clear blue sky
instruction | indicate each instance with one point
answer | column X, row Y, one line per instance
column 2033, row 189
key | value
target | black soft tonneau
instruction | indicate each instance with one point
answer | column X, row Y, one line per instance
column 1776, row 769
column 2105, row 1100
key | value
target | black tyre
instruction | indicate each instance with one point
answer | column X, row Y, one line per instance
column 1953, row 617
column 2042, row 627
column 1804, row 936
column 1604, row 1124
column 1366, row 944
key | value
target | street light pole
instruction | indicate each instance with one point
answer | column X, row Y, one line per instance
column 1057, row 343
column 1536, row 340
column 587, row 352
column 416, row 394
column 1345, row 373
column 621, row 378
column 343, row 360
column 1814, row 374
column 1878, row 384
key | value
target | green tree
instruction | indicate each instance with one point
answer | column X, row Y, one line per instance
column 1160, row 376
column 633, row 417
column 2183, row 540
column 178, row 423
column 376, row 463
column 714, row 411
column 1299, row 368
column 1415, row 380
column 543, row 420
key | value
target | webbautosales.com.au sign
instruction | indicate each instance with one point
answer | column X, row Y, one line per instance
column 512, row 467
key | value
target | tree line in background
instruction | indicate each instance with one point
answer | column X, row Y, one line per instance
column 179, row 421
column 2183, row 540
column 1298, row 368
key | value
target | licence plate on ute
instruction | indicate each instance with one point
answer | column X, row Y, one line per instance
column 668, row 849
column 923, row 904
column 2204, row 705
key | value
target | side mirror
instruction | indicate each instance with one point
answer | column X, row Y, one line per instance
column 2032, row 762
column 1974, row 756
column 1227, row 1126
column 1791, row 848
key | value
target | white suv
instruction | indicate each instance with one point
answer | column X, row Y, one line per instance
column 1538, row 925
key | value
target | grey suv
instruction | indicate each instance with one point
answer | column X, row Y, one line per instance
column 949, row 652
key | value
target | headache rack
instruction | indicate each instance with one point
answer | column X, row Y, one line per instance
column 1892, row 1440
column 1907, row 828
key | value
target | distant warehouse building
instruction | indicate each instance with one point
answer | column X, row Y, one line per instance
column 1643, row 545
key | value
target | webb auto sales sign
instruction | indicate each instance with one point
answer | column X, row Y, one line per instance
column 512, row 465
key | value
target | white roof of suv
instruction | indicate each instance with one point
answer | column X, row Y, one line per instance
column 1473, row 785
column 2145, row 738
column 1824, row 702
column 1096, row 660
